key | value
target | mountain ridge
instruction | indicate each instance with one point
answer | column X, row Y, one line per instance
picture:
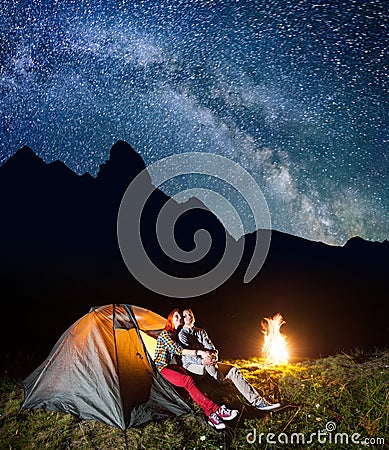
column 120, row 152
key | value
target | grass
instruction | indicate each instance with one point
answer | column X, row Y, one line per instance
column 348, row 391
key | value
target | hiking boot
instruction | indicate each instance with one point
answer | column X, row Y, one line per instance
column 226, row 414
column 215, row 421
column 264, row 405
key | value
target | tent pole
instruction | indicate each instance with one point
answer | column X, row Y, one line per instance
column 118, row 371
column 20, row 409
column 125, row 438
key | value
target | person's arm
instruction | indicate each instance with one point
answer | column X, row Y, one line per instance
column 190, row 352
column 206, row 342
column 166, row 344
column 187, row 339
column 176, row 348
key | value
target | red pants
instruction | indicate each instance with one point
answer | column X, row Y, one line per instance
column 178, row 376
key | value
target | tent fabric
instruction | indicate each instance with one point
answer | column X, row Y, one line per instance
column 101, row 369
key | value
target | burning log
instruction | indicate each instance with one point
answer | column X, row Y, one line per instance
column 274, row 348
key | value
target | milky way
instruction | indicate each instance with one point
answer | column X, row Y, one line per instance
column 294, row 91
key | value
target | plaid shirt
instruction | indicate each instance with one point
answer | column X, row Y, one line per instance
column 166, row 349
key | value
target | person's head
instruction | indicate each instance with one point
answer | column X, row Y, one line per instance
column 188, row 317
column 174, row 320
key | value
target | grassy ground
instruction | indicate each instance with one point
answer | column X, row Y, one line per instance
column 337, row 402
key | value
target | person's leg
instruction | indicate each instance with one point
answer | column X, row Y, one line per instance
column 197, row 369
column 200, row 369
column 215, row 372
column 178, row 376
column 245, row 388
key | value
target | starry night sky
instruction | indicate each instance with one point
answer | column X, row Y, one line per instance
column 294, row 91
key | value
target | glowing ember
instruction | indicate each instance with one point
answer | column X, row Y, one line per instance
column 274, row 349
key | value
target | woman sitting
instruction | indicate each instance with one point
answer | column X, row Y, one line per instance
column 167, row 349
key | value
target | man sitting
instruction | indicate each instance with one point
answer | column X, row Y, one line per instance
column 197, row 338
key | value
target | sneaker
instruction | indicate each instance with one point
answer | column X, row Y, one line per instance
column 215, row 421
column 226, row 414
column 264, row 405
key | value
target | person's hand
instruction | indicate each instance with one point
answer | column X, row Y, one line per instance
column 208, row 358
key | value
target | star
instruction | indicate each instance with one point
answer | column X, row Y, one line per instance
column 294, row 92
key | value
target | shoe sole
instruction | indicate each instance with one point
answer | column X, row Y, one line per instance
column 269, row 408
column 217, row 427
column 234, row 413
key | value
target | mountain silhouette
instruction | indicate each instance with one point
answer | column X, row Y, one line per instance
column 60, row 256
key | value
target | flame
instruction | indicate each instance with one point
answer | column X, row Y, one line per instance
column 274, row 348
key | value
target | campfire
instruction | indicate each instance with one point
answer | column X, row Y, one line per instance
column 274, row 348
